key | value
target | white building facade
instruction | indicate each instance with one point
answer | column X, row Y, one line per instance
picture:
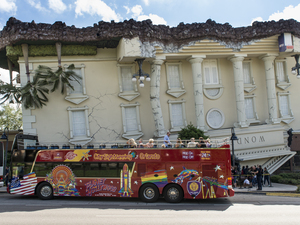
column 212, row 83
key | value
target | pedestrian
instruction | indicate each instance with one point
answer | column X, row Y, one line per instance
column 167, row 141
column 266, row 176
column 234, row 175
column 259, row 173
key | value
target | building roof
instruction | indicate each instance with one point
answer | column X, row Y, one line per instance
column 107, row 35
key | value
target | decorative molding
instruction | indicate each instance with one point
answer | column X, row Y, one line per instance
column 128, row 95
column 178, row 91
column 256, row 118
column 285, row 118
column 136, row 133
column 173, row 127
column 77, row 98
column 82, row 140
column 279, row 69
column 215, row 118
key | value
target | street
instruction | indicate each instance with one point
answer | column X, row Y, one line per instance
column 240, row 209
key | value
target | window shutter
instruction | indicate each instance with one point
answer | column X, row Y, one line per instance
column 177, row 117
column 249, row 108
column 131, row 119
column 174, row 78
column 215, row 79
column 79, row 126
column 211, row 72
column 280, row 71
column 77, row 84
column 284, row 105
column 207, row 75
column 246, row 72
column 127, row 84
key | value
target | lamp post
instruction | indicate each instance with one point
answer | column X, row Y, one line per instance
column 233, row 138
column 4, row 136
column 296, row 68
column 140, row 73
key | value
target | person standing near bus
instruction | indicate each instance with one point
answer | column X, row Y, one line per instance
column 167, row 139
column 266, row 176
column 259, row 173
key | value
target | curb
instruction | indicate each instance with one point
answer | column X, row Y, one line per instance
column 282, row 194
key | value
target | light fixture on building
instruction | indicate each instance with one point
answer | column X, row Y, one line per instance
column 296, row 68
column 233, row 138
column 142, row 76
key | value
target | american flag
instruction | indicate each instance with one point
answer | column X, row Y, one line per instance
column 25, row 186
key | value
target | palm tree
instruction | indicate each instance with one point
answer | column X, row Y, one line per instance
column 34, row 94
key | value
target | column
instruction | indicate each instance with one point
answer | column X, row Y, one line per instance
column 237, row 62
column 271, row 89
column 198, row 91
column 25, row 54
column 155, row 98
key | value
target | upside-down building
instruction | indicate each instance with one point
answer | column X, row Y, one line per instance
column 208, row 74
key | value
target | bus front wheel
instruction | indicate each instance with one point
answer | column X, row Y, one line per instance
column 149, row 193
column 45, row 191
column 173, row 193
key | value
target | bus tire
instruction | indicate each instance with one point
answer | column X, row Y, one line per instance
column 173, row 193
column 149, row 193
column 45, row 191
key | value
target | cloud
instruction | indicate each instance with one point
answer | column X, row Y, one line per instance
column 96, row 7
column 137, row 14
column 146, row 2
column 8, row 6
column 137, row 11
column 289, row 12
column 37, row 4
column 127, row 9
column 155, row 19
column 260, row 19
column 57, row 5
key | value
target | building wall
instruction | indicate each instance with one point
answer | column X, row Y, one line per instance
column 52, row 124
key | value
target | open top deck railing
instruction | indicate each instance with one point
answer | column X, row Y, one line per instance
column 214, row 143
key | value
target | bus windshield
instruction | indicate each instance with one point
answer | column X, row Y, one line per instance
column 23, row 154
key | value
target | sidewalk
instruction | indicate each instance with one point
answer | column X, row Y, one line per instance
column 276, row 189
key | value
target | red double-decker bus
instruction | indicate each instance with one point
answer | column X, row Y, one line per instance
column 119, row 171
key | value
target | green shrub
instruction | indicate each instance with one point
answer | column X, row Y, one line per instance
column 298, row 189
column 191, row 132
column 283, row 181
column 290, row 175
column 276, row 178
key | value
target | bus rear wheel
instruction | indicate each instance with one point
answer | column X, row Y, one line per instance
column 45, row 191
column 149, row 193
column 173, row 193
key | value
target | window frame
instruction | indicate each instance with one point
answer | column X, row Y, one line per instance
column 249, row 87
column 131, row 134
column 207, row 87
column 209, row 122
column 286, row 83
column 285, row 118
column 256, row 118
column 79, row 139
column 175, row 92
column 182, row 102
column 77, row 98
column 127, row 95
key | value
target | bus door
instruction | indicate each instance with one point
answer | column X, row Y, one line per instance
column 214, row 180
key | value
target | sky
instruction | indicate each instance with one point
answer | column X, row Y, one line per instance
column 83, row 13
